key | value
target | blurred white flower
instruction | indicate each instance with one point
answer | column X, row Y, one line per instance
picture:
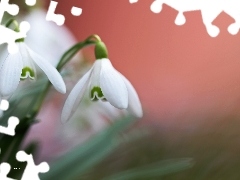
column 51, row 41
column 21, row 65
column 94, row 116
column 103, row 82
column 48, row 39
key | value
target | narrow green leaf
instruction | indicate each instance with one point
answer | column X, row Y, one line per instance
column 155, row 170
column 87, row 155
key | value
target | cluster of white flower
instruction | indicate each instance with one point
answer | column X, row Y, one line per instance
column 19, row 62
column 102, row 81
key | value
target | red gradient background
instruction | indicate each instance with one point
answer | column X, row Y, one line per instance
column 180, row 72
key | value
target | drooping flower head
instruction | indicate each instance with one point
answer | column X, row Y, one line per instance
column 103, row 82
column 21, row 65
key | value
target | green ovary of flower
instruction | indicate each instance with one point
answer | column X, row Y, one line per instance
column 27, row 72
column 96, row 94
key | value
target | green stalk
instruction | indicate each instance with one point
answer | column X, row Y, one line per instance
column 29, row 119
column 67, row 56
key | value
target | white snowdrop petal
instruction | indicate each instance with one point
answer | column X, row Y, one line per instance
column 113, row 86
column 53, row 75
column 75, row 97
column 28, row 63
column 134, row 104
column 3, row 53
column 27, row 59
column 10, row 72
column 96, row 73
column 23, row 51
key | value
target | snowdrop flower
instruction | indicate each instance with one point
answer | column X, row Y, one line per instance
column 103, row 82
column 21, row 65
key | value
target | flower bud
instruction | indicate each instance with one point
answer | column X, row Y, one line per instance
column 101, row 50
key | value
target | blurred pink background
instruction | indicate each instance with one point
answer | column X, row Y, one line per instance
column 180, row 72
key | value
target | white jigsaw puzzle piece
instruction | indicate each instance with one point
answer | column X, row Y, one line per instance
column 12, row 121
column 76, row 11
column 59, row 19
column 4, row 170
column 210, row 10
column 9, row 36
column 232, row 8
column 30, row 2
column 4, row 105
column 31, row 171
column 12, row 124
column 12, row 9
column 133, row 1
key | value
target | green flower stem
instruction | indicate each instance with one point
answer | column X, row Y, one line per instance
column 29, row 119
column 67, row 56
column 72, row 52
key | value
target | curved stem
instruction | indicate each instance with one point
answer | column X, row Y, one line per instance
column 29, row 119
column 72, row 52
column 94, row 37
column 67, row 56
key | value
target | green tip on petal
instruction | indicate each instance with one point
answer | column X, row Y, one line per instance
column 96, row 94
column 27, row 72
column 101, row 51
column 20, row 40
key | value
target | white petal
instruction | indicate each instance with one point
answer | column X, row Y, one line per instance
column 96, row 73
column 113, row 86
column 134, row 104
column 27, row 61
column 53, row 75
column 10, row 72
column 75, row 97
column 3, row 52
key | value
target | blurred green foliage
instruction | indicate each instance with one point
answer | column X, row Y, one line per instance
column 84, row 159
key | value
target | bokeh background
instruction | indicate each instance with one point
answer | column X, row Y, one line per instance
column 188, row 83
